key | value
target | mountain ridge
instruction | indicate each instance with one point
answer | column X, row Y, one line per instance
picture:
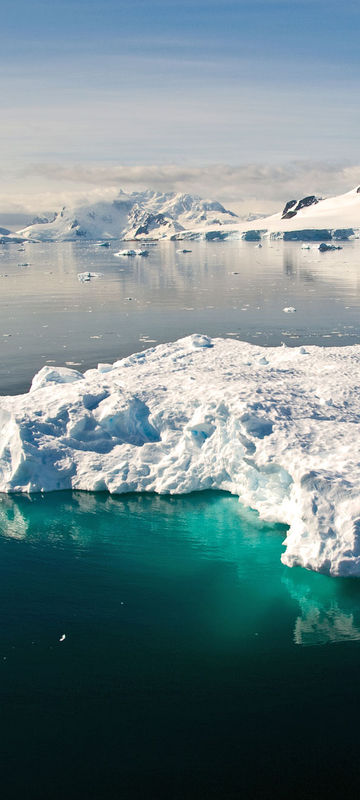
column 151, row 215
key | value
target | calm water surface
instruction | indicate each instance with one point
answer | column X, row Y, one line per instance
column 47, row 315
column 194, row 665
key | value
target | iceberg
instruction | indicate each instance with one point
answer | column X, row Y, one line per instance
column 125, row 253
column 323, row 247
column 85, row 277
column 275, row 426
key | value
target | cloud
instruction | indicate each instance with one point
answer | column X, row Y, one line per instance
column 248, row 187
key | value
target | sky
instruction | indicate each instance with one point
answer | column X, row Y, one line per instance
column 248, row 101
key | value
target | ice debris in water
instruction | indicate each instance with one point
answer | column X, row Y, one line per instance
column 289, row 310
column 276, row 426
column 84, row 277
column 62, row 638
column 323, row 247
column 124, row 253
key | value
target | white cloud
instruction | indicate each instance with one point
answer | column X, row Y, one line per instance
column 249, row 187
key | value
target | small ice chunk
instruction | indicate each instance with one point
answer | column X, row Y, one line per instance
column 62, row 637
column 84, row 277
column 201, row 340
column 52, row 375
column 124, row 253
column 323, row 247
column 289, row 310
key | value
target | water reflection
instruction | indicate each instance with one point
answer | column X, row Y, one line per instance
column 327, row 613
column 187, row 537
column 219, row 288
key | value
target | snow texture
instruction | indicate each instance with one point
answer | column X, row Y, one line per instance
column 151, row 215
column 335, row 218
column 124, row 253
column 139, row 215
column 276, row 426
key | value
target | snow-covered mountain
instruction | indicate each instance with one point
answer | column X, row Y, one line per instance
column 336, row 214
column 153, row 215
column 139, row 215
column 308, row 218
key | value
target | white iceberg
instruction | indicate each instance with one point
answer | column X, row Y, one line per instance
column 124, row 253
column 276, row 426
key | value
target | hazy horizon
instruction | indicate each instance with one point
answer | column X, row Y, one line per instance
column 246, row 102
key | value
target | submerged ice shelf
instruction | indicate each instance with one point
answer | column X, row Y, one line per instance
column 276, row 426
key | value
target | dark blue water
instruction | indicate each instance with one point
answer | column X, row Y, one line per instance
column 195, row 665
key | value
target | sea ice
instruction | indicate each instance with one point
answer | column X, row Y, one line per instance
column 84, row 277
column 122, row 253
column 323, row 247
column 276, row 426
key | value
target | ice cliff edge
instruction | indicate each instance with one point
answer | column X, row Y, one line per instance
column 276, row 426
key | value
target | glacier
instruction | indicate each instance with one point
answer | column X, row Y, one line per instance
column 146, row 215
column 150, row 216
column 275, row 426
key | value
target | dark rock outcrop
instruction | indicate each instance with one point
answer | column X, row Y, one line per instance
column 310, row 200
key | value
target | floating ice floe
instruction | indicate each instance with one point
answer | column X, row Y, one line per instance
column 276, row 426
column 84, row 277
column 123, row 253
column 323, row 247
column 289, row 310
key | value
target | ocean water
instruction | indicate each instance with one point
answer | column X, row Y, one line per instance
column 220, row 288
column 194, row 663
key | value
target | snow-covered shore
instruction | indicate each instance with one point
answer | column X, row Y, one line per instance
column 276, row 426
column 148, row 215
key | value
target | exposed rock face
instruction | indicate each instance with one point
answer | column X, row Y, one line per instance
column 310, row 200
column 145, row 214
column 289, row 204
column 307, row 201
